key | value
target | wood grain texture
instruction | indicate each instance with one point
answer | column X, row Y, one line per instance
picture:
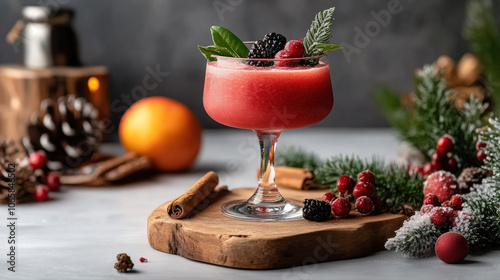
column 211, row 237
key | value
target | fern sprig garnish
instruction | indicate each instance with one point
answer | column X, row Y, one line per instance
column 319, row 34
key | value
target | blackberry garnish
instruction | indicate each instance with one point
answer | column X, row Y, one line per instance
column 275, row 42
column 260, row 49
column 316, row 210
column 266, row 48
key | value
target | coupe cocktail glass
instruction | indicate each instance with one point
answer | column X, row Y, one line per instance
column 267, row 100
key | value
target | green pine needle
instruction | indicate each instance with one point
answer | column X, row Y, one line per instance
column 297, row 157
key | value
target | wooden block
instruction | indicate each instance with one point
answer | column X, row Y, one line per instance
column 209, row 236
column 22, row 89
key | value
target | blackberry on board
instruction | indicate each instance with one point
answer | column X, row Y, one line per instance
column 316, row 210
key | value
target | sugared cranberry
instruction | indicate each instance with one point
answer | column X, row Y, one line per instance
column 444, row 144
column 431, row 199
column 439, row 216
column 363, row 189
column 329, row 196
column 345, row 184
column 41, row 193
column 427, row 169
column 366, row 176
column 426, row 208
column 447, row 204
column 341, row 207
column 37, row 160
column 364, row 205
column 439, row 158
column 457, row 201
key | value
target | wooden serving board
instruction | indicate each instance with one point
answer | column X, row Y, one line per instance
column 210, row 236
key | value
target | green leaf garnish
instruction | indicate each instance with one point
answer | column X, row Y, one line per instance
column 318, row 36
column 225, row 44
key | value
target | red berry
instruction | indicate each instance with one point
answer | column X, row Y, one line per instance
column 427, row 169
column 143, row 260
column 414, row 170
column 363, row 189
column 329, row 196
column 364, row 205
column 37, row 160
column 52, row 181
column 426, row 208
column 447, row 204
column 436, row 166
column 481, row 156
column 439, row 158
column 366, row 176
column 457, row 201
column 439, row 217
column 480, row 145
column 284, row 63
column 294, row 48
column 431, row 199
column 42, row 193
column 452, row 247
column 341, row 207
column 444, row 144
column 452, row 165
column 377, row 202
column 345, row 184
column 443, row 184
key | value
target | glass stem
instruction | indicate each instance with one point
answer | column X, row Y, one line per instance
column 267, row 192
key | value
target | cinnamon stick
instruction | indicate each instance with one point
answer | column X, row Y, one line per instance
column 295, row 178
column 182, row 205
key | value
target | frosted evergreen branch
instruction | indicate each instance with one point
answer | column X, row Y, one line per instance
column 320, row 32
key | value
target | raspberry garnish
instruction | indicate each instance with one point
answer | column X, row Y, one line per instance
column 366, row 176
column 364, row 205
column 294, row 48
column 341, row 207
column 363, row 189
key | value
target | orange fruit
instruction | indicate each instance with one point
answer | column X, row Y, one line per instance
column 162, row 129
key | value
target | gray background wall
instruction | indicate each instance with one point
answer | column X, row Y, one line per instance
column 130, row 36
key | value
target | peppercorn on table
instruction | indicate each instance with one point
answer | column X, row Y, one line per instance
column 80, row 231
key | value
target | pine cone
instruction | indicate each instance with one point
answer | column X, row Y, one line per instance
column 14, row 161
column 67, row 131
column 471, row 176
column 123, row 263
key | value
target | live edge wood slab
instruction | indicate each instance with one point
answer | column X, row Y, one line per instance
column 209, row 236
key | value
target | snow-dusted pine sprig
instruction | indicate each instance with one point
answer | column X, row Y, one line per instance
column 319, row 34
column 479, row 220
column 416, row 238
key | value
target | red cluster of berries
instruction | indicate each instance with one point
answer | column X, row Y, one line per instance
column 443, row 214
column 441, row 159
column 363, row 192
column 51, row 182
column 293, row 49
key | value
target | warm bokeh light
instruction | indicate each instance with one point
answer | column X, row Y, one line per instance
column 93, row 84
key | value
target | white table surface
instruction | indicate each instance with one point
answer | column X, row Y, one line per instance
column 78, row 234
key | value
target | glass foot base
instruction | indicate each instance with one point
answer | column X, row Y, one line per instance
column 263, row 212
